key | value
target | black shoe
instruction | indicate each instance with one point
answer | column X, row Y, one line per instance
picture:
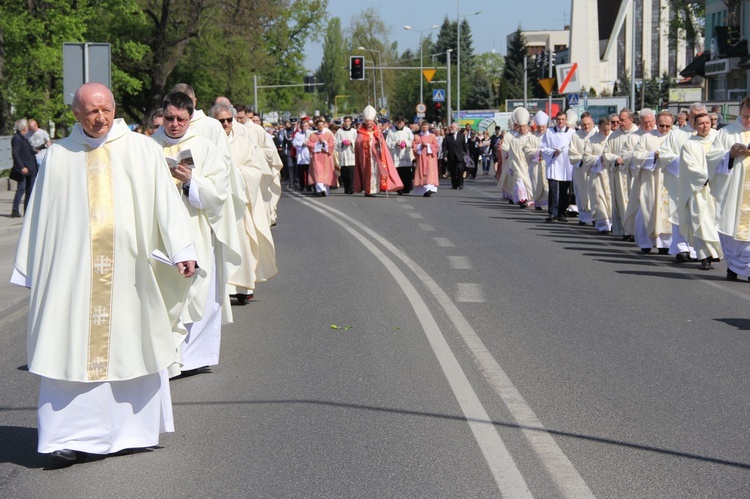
column 510, row 201
column 523, row 205
column 461, row 187
column 538, row 208
column 581, row 223
column 663, row 251
column 562, row 219
column 731, row 275
column 626, row 238
column 241, row 298
column 427, row 194
column 15, row 214
column 682, row 257
column 705, row 264
column 68, row 455
column 645, row 250
column 550, row 219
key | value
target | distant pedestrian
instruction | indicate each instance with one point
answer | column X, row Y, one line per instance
column 24, row 167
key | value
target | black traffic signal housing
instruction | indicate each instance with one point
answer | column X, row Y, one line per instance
column 438, row 111
column 309, row 87
column 356, row 67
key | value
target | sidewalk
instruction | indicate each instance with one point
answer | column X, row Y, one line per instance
column 8, row 224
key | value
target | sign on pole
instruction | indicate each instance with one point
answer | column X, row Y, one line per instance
column 547, row 84
column 83, row 63
column 572, row 100
column 421, row 108
column 438, row 95
column 567, row 74
column 429, row 74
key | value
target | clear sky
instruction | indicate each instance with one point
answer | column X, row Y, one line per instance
column 489, row 29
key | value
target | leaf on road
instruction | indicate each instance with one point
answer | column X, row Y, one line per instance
column 334, row 326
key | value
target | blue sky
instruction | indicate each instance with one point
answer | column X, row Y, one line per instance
column 489, row 29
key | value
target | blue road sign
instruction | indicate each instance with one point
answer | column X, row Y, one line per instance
column 438, row 95
column 572, row 100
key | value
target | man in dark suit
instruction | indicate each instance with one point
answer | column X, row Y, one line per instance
column 24, row 167
column 454, row 149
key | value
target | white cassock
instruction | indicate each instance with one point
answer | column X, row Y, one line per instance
column 257, row 247
column 346, row 152
column 599, row 194
column 697, row 207
column 669, row 163
column 558, row 167
column 213, row 212
column 647, row 214
column 537, row 171
column 620, row 144
column 731, row 188
column 265, row 142
column 517, row 167
column 402, row 156
column 580, row 174
column 103, row 215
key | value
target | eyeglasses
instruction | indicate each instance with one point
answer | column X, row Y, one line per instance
column 225, row 120
column 664, row 125
column 170, row 119
column 615, row 122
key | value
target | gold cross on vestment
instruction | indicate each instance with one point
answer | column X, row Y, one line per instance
column 100, row 315
column 102, row 264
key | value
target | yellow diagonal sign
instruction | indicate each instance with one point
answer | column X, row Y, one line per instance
column 547, row 84
column 429, row 74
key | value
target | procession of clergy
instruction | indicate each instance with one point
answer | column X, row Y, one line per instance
column 683, row 190
column 131, row 247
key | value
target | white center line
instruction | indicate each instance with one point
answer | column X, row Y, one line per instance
column 443, row 242
column 426, row 227
column 416, row 216
column 407, row 206
column 460, row 262
column 469, row 292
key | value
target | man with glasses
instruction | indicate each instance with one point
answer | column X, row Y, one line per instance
column 614, row 122
column 647, row 216
column 204, row 182
column 617, row 155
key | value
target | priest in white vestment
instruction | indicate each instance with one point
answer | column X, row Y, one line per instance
column 345, row 138
column 261, row 139
column 214, row 212
column 399, row 140
column 102, row 232
column 555, row 148
column 647, row 215
column 669, row 162
column 729, row 174
column 618, row 152
column 537, row 167
column 599, row 194
column 515, row 161
column 580, row 170
column 256, row 241
column 697, row 207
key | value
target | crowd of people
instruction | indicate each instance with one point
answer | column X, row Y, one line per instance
column 28, row 146
column 133, row 247
column 677, row 186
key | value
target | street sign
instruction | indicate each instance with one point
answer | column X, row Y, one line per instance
column 547, row 84
column 438, row 95
column 383, row 112
column 421, row 108
column 572, row 100
column 568, row 75
column 83, row 63
column 429, row 74
column 419, row 115
column 585, row 100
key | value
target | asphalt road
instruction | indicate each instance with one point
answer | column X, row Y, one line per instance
column 479, row 352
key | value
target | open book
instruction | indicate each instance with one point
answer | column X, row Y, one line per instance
column 185, row 157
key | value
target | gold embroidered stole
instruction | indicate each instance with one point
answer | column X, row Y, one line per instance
column 742, row 231
column 102, row 240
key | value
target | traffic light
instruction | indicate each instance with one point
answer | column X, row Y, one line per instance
column 309, row 87
column 438, row 111
column 356, row 67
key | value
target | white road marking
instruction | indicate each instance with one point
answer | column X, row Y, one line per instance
column 426, row 227
column 469, row 292
column 407, row 206
column 443, row 242
column 562, row 471
column 507, row 476
column 460, row 262
column 416, row 216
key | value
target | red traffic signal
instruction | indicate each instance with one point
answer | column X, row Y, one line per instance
column 356, row 67
column 438, row 105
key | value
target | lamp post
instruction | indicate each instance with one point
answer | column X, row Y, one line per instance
column 458, row 53
column 380, row 58
column 448, row 93
column 421, row 66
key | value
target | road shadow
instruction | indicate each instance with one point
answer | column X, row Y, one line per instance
column 673, row 275
column 741, row 324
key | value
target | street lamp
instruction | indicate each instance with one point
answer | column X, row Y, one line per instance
column 421, row 67
column 380, row 58
column 458, row 54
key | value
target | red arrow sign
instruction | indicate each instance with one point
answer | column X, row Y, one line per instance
column 568, row 78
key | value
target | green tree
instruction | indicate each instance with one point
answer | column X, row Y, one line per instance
column 333, row 72
column 513, row 68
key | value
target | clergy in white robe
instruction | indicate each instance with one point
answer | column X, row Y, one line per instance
column 647, row 214
column 103, row 228
column 599, row 194
column 537, row 167
column 669, row 162
column 261, row 139
column 617, row 154
column 214, row 213
column 399, row 140
column 729, row 174
column 345, row 138
column 256, row 241
column 515, row 160
column 555, row 148
column 697, row 208
column 580, row 171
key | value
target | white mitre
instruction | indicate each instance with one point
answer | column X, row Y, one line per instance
column 541, row 118
column 521, row 116
column 369, row 113
column 572, row 117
